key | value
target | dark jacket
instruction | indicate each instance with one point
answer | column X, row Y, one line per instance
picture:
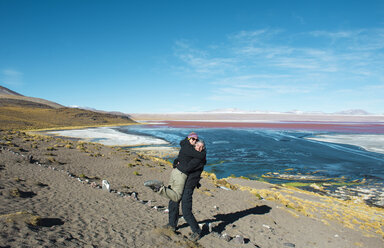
column 191, row 162
column 189, row 159
column 194, row 178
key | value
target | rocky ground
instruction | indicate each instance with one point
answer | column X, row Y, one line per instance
column 52, row 195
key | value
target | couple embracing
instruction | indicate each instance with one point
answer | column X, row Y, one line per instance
column 185, row 177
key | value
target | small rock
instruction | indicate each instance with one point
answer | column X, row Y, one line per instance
column 226, row 237
column 60, row 240
column 210, row 227
column 225, row 188
column 30, row 159
column 105, row 185
column 134, row 196
column 239, row 239
column 289, row 245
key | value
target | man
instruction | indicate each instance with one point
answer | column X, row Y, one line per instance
column 186, row 199
column 190, row 161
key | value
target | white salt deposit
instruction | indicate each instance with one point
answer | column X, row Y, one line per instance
column 369, row 142
column 109, row 136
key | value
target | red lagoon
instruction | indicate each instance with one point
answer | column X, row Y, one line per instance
column 347, row 127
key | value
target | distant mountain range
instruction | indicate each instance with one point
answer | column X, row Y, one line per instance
column 354, row 112
column 101, row 111
column 298, row 112
column 237, row 115
column 11, row 98
column 256, row 117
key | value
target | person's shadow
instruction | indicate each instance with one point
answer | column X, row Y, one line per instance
column 226, row 219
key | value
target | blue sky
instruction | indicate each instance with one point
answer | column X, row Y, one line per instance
column 173, row 56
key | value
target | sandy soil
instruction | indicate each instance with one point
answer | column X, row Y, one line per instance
column 51, row 196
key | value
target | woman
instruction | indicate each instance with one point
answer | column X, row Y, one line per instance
column 191, row 158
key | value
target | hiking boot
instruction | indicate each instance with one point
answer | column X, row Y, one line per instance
column 155, row 185
column 194, row 236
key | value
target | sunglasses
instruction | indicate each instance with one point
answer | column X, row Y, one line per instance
column 194, row 139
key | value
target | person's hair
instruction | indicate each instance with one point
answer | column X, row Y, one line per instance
column 201, row 142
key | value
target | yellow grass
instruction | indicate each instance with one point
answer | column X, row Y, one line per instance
column 352, row 214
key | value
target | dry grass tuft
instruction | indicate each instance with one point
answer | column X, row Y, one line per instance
column 136, row 173
column 23, row 217
column 69, row 146
column 15, row 192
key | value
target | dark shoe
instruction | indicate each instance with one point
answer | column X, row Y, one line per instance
column 155, row 185
column 194, row 236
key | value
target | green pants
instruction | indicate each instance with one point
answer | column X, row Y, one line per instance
column 174, row 191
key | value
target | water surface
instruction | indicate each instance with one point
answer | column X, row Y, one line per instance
column 253, row 152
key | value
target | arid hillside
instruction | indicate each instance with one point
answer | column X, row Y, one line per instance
column 21, row 112
column 12, row 98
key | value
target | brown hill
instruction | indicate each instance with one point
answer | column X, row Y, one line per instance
column 11, row 98
column 6, row 91
column 24, row 101
column 12, row 117
column 21, row 112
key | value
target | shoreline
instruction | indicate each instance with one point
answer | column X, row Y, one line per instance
column 237, row 199
column 369, row 142
column 346, row 138
column 146, row 144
